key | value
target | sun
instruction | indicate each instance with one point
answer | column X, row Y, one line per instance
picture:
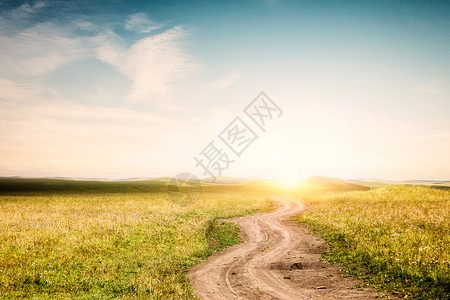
column 289, row 183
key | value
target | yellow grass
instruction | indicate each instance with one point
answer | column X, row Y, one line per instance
column 397, row 236
column 137, row 245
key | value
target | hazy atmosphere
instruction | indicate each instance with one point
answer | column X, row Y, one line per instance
column 118, row 89
column 211, row 150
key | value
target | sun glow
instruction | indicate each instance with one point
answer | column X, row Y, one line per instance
column 289, row 183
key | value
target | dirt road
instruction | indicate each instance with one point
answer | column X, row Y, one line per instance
column 279, row 260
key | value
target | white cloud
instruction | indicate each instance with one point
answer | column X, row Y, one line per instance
column 25, row 10
column 11, row 92
column 31, row 50
column 218, row 84
column 40, row 137
column 85, row 25
column 18, row 18
column 158, row 66
column 40, row 50
column 48, row 136
column 140, row 23
column 154, row 64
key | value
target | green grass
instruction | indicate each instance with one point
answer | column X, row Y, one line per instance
column 126, row 240
column 46, row 186
column 398, row 237
column 80, row 243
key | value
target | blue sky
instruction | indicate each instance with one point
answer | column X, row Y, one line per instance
column 119, row 89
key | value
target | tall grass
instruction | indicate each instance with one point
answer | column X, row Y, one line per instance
column 397, row 236
column 119, row 245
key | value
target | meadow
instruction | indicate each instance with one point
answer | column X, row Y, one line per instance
column 396, row 237
column 83, row 240
column 126, row 240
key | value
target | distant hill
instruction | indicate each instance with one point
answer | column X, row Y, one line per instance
column 230, row 180
column 378, row 182
column 25, row 186
column 331, row 183
column 64, row 186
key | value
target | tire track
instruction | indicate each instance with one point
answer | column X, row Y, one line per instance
column 279, row 260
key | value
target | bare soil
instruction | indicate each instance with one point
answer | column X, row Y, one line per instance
column 278, row 260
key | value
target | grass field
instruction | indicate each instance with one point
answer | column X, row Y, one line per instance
column 90, row 240
column 398, row 237
column 126, row 240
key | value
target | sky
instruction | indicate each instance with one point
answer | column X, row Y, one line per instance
column 120, row 89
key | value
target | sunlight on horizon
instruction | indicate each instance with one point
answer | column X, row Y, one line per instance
column 127, row 91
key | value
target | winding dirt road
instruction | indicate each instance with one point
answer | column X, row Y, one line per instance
column 279, row 260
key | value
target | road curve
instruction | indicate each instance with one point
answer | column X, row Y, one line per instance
column 279, row 260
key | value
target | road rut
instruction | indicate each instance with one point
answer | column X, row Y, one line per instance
column 278, row 260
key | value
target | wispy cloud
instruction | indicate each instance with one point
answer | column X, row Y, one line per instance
column 27, row 8
column 153, row 64
column 18, row 18
column 42, row 134
column 434, row 87
column 140, row 23
column 39, row 50
column 222, row 83
column 32, row 49
column 41, row 137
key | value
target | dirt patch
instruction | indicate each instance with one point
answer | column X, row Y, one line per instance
column 278, row 260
